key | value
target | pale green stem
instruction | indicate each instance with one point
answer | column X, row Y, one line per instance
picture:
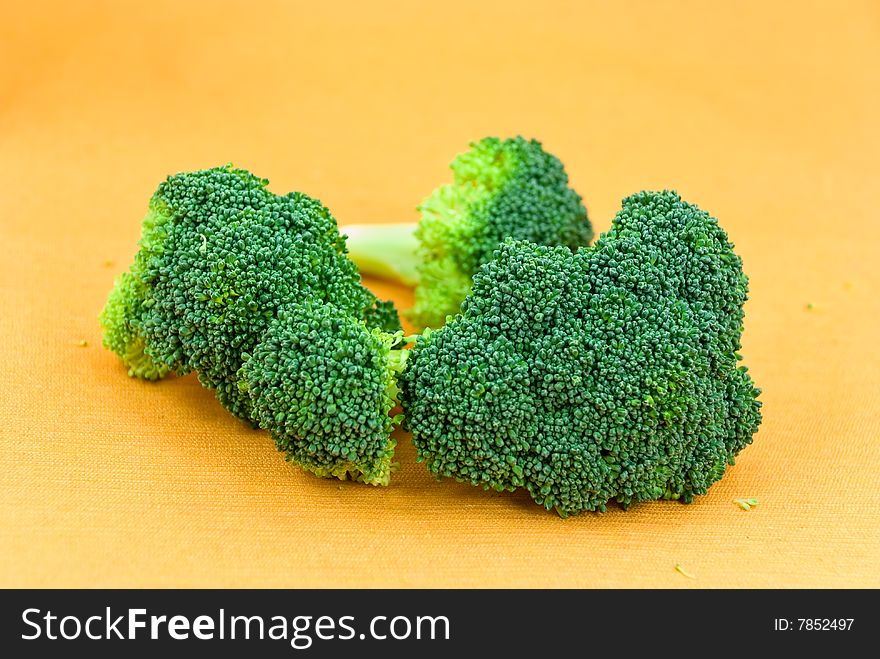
column 386, row 250
column 396, row 363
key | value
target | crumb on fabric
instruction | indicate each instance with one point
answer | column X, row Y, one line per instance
column 682, row 571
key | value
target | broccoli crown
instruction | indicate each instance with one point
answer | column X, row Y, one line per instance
column 501, row 189
column 321, row 383
column 219, row 256
column 130, row 299
column 605, row 374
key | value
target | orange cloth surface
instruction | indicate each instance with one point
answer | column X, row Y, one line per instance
column 764, row 114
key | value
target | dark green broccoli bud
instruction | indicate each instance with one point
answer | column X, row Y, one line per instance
column 219, row 256
column 323, row 385
column 606, row 374
column 382, row 315
column 501, row 189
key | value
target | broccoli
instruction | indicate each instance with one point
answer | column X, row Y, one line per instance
column 510, row 188
column 610, row 373
column 323, row 385
column 228, row 275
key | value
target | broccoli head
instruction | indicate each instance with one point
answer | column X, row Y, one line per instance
column 323, row 384
column 220, row 259
column 610, row 373
column 501, row 189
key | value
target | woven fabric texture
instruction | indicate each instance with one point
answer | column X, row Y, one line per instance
column 764, row 114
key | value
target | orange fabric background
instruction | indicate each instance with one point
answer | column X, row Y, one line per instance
column 765, row 114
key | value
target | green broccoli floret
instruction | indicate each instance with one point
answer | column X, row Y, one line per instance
column 501, row 189
column 130, row 298
column 324, row 384
column 220, row 258
column 606, row 374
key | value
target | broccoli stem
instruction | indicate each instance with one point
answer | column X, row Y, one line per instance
column 397, row 359
column 395, row 362
column 387, row 250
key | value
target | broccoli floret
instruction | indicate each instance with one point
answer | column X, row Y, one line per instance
column 502, row 189
column 606, row 374
column 220, row 258
column 130, row 298
column 324, row 384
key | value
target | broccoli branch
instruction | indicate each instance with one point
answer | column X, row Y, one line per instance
column 398, row 353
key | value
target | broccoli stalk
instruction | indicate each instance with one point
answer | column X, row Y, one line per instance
column 501, row 189
column 388, row 250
